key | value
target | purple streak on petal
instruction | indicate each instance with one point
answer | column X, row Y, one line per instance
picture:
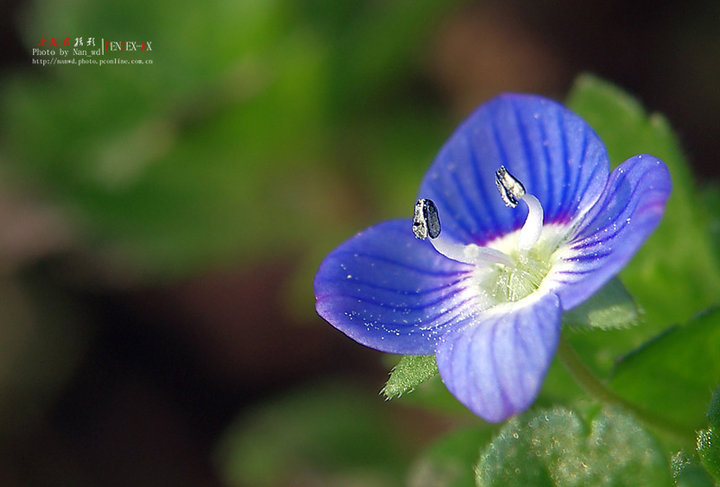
column 547, row 157
column 629, row 209
column 533, row 155
column 579, row 257
column 495, row 362
column 390, row 291
column 551, row 150
column 562, row 153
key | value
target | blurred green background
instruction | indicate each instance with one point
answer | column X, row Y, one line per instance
column 160, row 224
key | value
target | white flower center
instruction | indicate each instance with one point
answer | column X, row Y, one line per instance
column 528, row 266
column 510, row 267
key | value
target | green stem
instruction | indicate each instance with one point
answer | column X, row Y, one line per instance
column 599, row 391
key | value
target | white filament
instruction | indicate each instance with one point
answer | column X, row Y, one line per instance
column 532, row 228
column 470, row 253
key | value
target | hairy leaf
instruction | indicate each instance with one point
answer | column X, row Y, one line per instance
column 410, row 372
column 558, row 448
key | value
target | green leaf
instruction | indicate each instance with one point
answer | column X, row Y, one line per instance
column 676, row 273
column 558, row 448
column 687, row 472
column 713, row 414
column 410, row 372
column 611, row 307
column 672, row 375
column 708, row 447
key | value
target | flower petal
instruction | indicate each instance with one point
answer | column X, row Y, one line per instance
column 629, row 209
column 496, row 364
column 390, row 291
column 555, row 154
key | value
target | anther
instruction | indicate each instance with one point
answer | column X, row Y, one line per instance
column 426, row 221
column 511, row 189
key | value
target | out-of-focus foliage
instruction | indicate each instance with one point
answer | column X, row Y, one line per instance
column 264, row 129
column 450, row 461
column 42, row 339
column 559, row 448
column 255, row 131
column 322, row 434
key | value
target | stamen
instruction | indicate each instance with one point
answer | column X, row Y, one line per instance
column 511, row 189
column 426, row 222
column 532, row 228
column 512, row 192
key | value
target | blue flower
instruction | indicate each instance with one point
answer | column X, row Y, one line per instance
column 486, row 291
